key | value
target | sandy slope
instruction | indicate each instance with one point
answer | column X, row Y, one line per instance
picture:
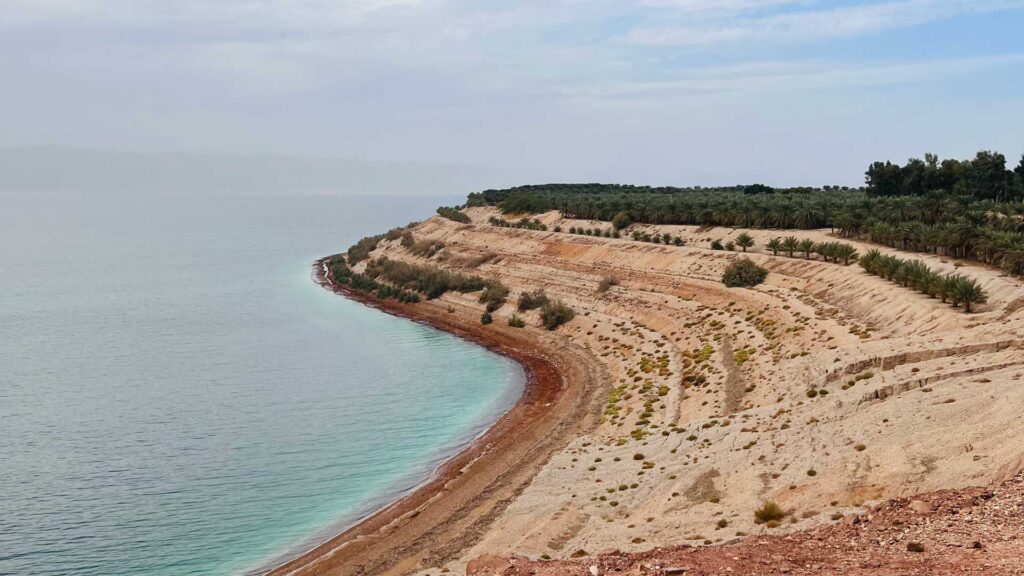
column 945, row 533
column 919, row 397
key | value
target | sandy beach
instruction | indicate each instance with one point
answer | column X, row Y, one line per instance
column 450, row 512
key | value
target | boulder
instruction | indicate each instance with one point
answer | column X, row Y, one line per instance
column 487, row 565
column 921, row 507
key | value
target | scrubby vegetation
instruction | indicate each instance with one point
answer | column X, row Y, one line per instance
column 516, row 321
column 532, row 300
column 342, row 274
column 422, row 248
column 956, row 288
column 453, row 213
column 606, row 283
column 404, row 281
column 769, row 512
column 743, row 273
column 607, row 233
column 621, row 220
column 524, row 222
column 493, row 295
column 361, row 250
column 641, row 236
column 554, row 314
column 428, row 280
column 969, row 209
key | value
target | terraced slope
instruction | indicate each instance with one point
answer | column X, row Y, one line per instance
column 823, row 390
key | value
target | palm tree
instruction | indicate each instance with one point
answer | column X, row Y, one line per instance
column 847, row 252
column 915, row 273
column 807, row 247
column 968, row 291
column 775, row 244
column 825, row 249
column 950, row 289
column 889, row 266
column 870, row 262
column 934, row 286
column 744, row 241
column 790, row 244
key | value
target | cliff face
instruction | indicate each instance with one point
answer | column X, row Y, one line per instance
column 822, row 389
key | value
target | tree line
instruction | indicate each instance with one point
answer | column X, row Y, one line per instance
column 526, row 223
column 970, row 209
column 986, row 176
column 955, row 288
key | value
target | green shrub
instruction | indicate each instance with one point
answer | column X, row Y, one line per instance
column 554, row 314
column 621, row 220
column 516, row 322
column 429, row 280
column 486, row 318
column 342, row 274
column 743, row 272
column 493, row 295
column 361, row 250
column 453, row 213
column 532, row 300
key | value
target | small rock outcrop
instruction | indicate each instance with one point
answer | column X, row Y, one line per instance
column 487, row 565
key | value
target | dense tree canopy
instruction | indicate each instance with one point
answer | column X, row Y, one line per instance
column 986, row 177
column 965, row 209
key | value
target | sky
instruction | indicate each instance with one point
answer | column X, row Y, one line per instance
column 684, row 92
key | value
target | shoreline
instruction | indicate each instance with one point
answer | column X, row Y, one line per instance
column 451, row 510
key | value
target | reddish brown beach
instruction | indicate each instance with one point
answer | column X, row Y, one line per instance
column 449, row 513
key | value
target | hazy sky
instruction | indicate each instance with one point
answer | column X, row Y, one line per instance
column 642, row 91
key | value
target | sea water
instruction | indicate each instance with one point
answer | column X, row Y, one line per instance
column 178, row 397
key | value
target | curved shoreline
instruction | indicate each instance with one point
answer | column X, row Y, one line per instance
column 448, row 513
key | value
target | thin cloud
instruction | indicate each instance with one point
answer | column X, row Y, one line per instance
column 817, row 25
column 241, row 13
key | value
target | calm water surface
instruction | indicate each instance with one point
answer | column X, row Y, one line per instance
column 177, row 396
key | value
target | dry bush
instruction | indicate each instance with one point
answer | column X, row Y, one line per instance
column 607, row 282
column 769, row 512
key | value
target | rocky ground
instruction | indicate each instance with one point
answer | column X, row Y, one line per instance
column 968, row 531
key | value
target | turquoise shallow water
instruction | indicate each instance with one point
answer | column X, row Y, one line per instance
column 178, row 397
